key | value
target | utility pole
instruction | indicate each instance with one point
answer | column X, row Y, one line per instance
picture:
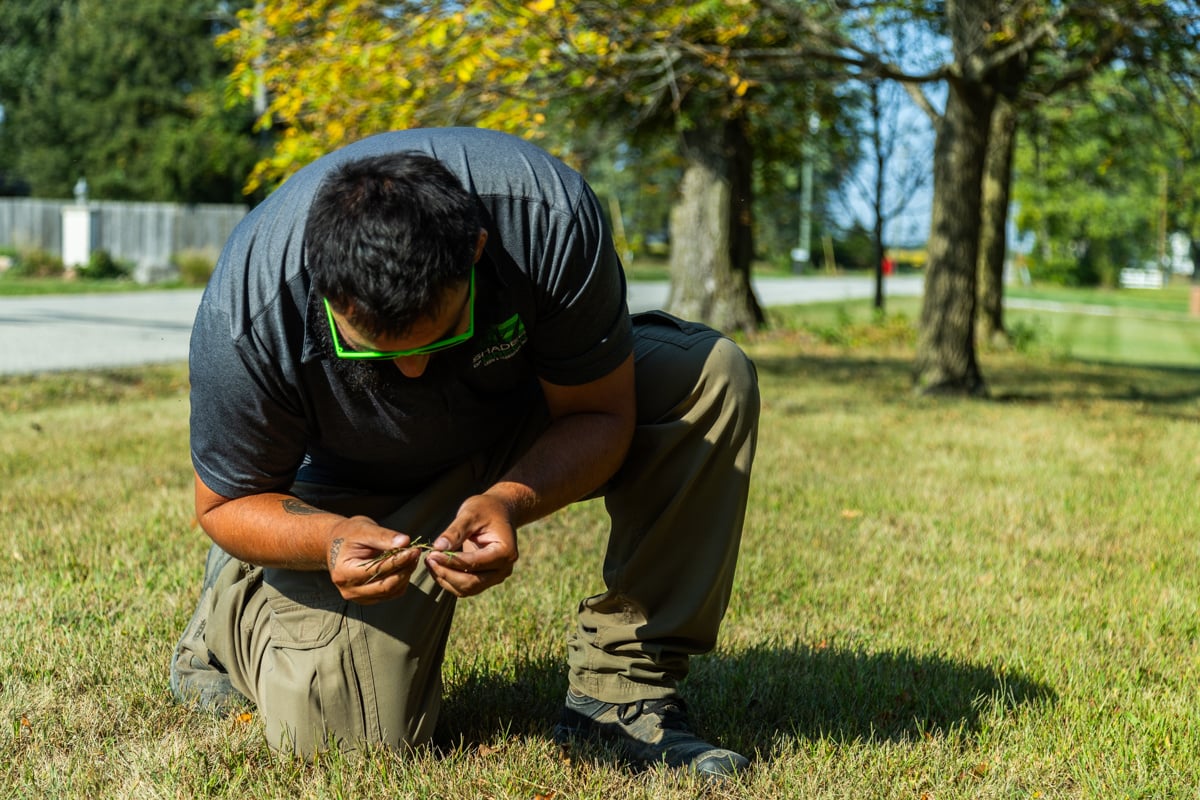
column 802, row 255
column 1162, row 223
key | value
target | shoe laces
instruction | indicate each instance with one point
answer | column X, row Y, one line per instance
column 671, row 712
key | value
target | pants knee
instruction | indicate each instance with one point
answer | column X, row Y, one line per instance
column 739, row 373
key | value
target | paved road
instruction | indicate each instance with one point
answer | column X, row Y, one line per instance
column 58, row 332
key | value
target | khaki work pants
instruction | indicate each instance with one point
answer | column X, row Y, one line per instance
column 323, row 670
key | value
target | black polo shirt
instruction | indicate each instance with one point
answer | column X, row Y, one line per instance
column 270, row 403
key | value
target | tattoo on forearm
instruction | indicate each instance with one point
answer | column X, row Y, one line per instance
column 335, row 547
column 299, row 508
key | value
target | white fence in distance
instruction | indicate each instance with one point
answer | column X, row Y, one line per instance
column 144, row 234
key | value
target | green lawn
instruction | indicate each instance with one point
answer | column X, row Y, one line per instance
column 16, row 287
column 1091, row 325
column 1171, row 299
column 936, row 599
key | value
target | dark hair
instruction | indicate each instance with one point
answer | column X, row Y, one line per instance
column 387, row 236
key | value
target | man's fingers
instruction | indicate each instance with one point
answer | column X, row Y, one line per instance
column 391, row 562
column 463, row 576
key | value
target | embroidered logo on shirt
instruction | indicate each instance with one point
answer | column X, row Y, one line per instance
column 501, row 342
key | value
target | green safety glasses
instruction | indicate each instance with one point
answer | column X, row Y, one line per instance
column 432, row 347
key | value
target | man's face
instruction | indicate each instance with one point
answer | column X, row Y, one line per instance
column 451, row 323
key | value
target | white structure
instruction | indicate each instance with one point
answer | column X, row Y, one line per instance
column 1179, row 254
column 80, row 234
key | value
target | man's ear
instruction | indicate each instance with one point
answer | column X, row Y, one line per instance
column 479, row 243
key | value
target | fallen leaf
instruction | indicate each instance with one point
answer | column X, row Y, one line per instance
column 851, row 513
column 977, row 772
column 245, row 717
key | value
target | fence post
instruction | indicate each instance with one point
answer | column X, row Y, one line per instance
column 80, row 229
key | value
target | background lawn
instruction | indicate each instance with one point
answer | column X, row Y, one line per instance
column 936, row 599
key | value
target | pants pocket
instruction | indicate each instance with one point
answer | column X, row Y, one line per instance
column 306, row 619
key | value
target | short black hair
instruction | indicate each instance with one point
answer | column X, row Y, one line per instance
column 387, row 236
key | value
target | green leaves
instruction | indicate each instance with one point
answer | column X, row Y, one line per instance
column 117, row 92
column 336, row 72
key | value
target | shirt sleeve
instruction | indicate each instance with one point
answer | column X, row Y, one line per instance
column 248, row 434
column 583, row 329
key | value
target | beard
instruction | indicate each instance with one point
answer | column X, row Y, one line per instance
column 361, row 377
column 373, row 378
column 379, row 379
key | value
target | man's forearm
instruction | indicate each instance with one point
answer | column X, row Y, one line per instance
column 271, row 530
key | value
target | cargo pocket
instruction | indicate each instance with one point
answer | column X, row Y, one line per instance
column 305, row 623
column 309, row 693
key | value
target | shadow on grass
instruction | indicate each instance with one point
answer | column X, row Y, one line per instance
column 761, row 697
column 758, row 699
column 1162, row 386
column 1011, row 378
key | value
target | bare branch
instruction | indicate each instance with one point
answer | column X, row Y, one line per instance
column 918, row 97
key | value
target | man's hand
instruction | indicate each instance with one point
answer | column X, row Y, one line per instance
column 486, row 541
column 354, row 565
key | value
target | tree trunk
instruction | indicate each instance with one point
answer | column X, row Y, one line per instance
column 1194, row 299
column 711, row 224
column 946, row 361
column 993, row 239
column 880, row 168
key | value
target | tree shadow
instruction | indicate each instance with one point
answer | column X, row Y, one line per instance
column 1156, row 389
column 758, row 699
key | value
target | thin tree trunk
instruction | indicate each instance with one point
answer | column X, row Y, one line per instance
column 946, row 359
column 993, row 240
column 880, row 168
column 711, row 247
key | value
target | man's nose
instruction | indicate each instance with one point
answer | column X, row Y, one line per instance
column 412, row 366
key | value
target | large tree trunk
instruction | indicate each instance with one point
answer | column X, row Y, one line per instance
column 711, row 244
column 993, row 240
column 946, row 361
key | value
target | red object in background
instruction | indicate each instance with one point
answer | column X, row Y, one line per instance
column 889, row 266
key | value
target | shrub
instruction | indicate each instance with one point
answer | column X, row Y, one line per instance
column 195, row 266
column 37, row 263
column 102, row 266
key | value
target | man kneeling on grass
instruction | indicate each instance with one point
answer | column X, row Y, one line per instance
column 423, row 337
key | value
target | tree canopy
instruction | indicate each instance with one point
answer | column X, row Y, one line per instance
column 1104, row 177
column 336, row 72
column 128, row 96
column 132, row 97
column 998, row 52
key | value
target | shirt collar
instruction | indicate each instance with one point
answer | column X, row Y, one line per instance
column 314, row 315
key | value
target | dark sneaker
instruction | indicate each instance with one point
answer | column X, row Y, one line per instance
column 648, row 731
column 197, row 678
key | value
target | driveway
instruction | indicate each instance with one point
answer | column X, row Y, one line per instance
column 60, row 332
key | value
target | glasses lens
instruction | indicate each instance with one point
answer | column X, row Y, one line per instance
column 432, row 347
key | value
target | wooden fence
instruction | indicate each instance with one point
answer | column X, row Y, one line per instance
column 144, row 234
